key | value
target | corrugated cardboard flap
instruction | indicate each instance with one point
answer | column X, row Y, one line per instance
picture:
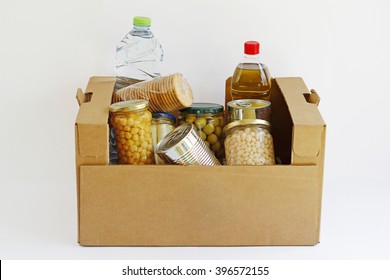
column 90, row 142
column 307, row 141
column 92, row 119
column 308, row 125
column 95, row 111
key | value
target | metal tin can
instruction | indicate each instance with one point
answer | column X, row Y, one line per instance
column 183, row 146
column 244, row 109
column 249, row 142
column 132, row 125
column 208, row 122
column 162, row 124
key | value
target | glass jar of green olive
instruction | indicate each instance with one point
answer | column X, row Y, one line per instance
column 208, row 121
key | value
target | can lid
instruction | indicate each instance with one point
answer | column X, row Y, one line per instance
column 129, row 105
column 246, row 122
column 252, row 47
column 175, row 137
column 164, row 115
column 248, row 103
column 142, row 21
column 203, row 108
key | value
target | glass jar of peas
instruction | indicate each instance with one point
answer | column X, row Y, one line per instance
column 208, row 121
column 132, row 125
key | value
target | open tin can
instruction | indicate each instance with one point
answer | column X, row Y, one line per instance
column 248, row 109
column 183, row 146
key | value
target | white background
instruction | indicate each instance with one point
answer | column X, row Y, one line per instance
column 50, row 48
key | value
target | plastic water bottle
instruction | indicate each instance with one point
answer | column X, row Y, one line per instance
column 138, row 55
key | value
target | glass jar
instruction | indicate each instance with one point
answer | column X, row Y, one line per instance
column 162, row 124
column 132, row 124
column 249, row 142
column 208, row 120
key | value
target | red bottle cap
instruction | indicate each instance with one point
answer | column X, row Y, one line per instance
column 252, row 47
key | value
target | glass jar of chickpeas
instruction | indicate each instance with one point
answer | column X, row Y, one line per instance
column 249, row 142
column 208, row 120
column 132, row 124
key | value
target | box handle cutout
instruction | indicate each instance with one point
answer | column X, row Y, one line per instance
column 312, row 97
column 83, row 97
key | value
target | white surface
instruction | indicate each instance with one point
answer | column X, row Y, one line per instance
column 50, row 48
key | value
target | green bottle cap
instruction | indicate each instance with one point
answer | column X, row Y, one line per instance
column 142, row 21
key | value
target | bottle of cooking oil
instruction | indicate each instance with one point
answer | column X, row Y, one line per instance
column 251, row 79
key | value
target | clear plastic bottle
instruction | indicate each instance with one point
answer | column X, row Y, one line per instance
column 138, row 55
column 251, row 79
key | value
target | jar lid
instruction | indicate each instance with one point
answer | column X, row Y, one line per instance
column 129, row 105
column 203, row 108
column 163, row 115
column 248, row 103
column 246, row 122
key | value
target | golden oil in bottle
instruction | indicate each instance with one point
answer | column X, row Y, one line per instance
column 251, row 79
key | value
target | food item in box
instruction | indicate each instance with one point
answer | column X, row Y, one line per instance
column 132, row 124
column 162, row 124
column 251, row 79
column 243, row 109
column 249, row 142
column 208, row 121
column 138, row 55
column 183, row 146
column 165, row 94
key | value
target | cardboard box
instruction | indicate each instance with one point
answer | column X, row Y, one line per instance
column 123, row 205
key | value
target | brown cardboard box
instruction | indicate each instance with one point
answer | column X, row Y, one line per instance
column 203, row 205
